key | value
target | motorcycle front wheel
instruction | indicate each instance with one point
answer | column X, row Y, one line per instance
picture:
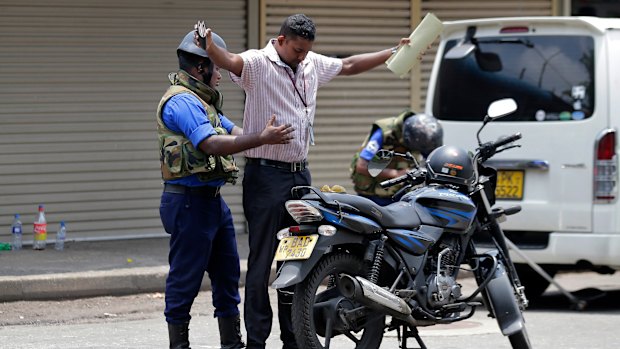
column 535, row 284
column 520, row 340
column 501, row 302
column 319, row 309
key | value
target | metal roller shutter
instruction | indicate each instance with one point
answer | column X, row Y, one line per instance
column 450, row 10
column 347, row 106
column 79, row 85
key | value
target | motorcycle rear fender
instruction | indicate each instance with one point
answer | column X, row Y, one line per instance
column 503, row 303
column 294, row 272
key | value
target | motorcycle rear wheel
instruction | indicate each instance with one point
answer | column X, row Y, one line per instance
column 307, row 319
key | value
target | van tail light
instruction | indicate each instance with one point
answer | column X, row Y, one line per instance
column 605, row 167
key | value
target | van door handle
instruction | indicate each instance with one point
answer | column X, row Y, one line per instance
column 520, row 164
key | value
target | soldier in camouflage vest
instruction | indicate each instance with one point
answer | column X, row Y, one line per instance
column 418, row 134
column 195, row 145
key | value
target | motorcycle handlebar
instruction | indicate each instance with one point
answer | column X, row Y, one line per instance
column 487, row 150
column 415, row 176
column 506, row 140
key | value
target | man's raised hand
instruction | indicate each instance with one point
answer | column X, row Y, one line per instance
column 200, row 34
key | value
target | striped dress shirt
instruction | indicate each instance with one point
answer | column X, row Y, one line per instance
column 271, row 87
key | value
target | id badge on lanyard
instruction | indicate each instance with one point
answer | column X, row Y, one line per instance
column 306, row 110
column 310, row 125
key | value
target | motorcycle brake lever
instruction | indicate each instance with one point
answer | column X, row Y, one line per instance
column 508, row 147
column 401, row 192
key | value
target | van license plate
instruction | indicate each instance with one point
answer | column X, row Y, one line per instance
column 509, row 185
column 296, row 247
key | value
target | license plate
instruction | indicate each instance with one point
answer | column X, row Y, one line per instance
column 296, row 247
column 509, row 185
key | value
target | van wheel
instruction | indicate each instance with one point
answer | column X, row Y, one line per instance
column 535, row 284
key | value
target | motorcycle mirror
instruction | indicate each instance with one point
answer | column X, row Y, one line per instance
column 501, row 107
column 379, row 162
column 496, row 110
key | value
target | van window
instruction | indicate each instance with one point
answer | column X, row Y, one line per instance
column 550, row 77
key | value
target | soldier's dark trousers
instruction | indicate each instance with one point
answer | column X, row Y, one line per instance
column 202, row 238
column 265, row 190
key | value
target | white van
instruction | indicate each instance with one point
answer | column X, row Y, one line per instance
column 564, row 73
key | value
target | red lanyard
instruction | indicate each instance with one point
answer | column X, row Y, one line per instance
column 295, row 86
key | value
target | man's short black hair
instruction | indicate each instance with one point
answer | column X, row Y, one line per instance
column 298, row 25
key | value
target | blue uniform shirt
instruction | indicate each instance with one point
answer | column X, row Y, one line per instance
column 374, row 144
column 185, row 113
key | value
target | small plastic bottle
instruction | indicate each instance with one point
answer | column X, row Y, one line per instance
column 61, row 234
column 40, row 230
column 16, row 230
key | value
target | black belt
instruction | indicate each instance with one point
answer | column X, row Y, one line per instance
column 202, row 190
column 290, row 166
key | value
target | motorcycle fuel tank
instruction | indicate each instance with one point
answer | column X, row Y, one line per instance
column 442, row 207
column 415, row 242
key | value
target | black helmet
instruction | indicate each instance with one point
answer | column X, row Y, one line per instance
column 422, row 133
column 451, row 165
column 188, row 44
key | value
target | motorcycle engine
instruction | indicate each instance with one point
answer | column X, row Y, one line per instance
column 442, row 290
column 442, row 287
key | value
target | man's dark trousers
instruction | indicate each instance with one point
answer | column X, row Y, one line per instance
column 202, row 239
column 265, row 190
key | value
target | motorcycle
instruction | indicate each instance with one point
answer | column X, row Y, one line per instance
column 359, row 269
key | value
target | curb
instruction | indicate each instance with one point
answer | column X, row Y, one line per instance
column 83, row 284
column 115, row 282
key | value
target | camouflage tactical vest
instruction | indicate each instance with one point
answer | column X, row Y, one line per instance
column 178, row 156
column 391, row 128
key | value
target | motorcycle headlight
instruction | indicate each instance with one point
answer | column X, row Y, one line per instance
column 302, row 211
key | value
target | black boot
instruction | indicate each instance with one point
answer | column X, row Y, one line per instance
column 179, row 336
column 230, row 332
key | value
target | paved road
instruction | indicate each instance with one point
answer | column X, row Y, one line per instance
column 137, row 322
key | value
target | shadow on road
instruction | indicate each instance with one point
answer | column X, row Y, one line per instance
column 596, row 301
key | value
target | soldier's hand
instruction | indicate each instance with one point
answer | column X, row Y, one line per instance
column 276, row 134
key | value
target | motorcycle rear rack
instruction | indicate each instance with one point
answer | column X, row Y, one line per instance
column 295, row 193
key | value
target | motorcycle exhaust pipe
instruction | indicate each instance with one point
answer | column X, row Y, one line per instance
column 365, row 292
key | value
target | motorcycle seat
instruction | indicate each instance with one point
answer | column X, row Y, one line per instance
column 396, row 215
